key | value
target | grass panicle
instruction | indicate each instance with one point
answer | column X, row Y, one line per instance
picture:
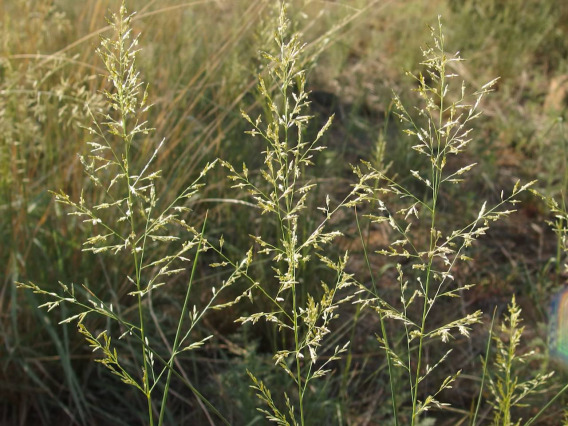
column 283, row 193
column 427, row 253
column 144, row 223
column 505, row 386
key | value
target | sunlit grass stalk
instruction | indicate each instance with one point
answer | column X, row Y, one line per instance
column 485, row 369
column 288, row 221
column 124, row 73
column 384, row 336
column 284, row 195
column 136, row 227
column 436, row 173
column 440, row 131
column 183, row 313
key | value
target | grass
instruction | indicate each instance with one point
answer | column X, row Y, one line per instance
column 405, row 224
column 441, row 131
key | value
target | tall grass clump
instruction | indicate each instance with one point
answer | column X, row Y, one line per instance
column 301, row 305
column 39, row 96
column 426, row 254
column 129, row 218
column 145, row 320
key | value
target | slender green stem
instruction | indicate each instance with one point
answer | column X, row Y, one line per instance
column 298, row 365
column 548, row 404
column 436, row 173
column 289, row 229
column 420, row 345
column 383, row 328
column 179, row 327
column 485, row 362
column 138, row 269
column 137, row 266
column 126, row 137
column 291, row 258
column 146, row 369
column 432, row 247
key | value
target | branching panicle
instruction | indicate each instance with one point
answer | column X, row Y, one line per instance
column 283, row 193
column 441, row 129
column 141, row 231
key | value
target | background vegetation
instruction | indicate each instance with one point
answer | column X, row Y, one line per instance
column 201, row 60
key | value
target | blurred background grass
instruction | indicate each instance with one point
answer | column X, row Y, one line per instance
column 201, row 59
